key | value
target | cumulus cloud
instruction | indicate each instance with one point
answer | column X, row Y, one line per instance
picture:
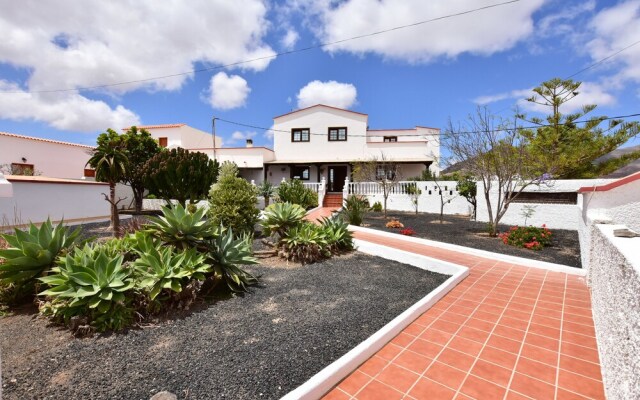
column 331, row 93
column 64, row 111
column 613, row 29
column 484, row 32
column 239, row 136
column 228, row 92
column 290, row 39
column 116, row 41
column 589, row 93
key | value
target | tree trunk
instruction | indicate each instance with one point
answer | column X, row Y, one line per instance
column 441, row 210
column 138, row 196
column 115, row 218
column 385, row 206
column 266, row 201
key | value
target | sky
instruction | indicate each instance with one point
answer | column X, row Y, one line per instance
column 61, row 62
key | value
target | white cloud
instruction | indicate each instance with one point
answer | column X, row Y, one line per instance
column 290, row 39
column 228, row 92
column 62, row 45
column 239, row 136
column 331, row 93
column 613, row 29
column 268, row 134
column 64, row 111
column 589, row 93
column 484, row 32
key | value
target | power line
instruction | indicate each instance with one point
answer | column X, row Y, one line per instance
column 603, row 59
column 602, row 119
column 276, row 55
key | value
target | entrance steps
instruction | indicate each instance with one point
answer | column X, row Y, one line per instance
column 332, row 200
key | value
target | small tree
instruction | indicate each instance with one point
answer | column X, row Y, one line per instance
column 468, row 188
column 232, row 201
column 181, row 175
column 383, row 171
column 414, row 193
column 266, row 189
column 110, row 162
column 139, row 147
column 493, row 151
column 445, row 192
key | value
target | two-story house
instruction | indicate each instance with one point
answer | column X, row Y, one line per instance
column 323, row 141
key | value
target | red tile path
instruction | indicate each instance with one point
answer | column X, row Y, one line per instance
column 320, row 212
column 505, row 332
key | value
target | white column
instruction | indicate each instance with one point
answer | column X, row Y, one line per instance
column 345, row 190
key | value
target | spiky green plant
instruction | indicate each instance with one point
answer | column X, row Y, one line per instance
column 278, row 218
column 294, row 191
column 267, row 190
column 164, row 268
column 226, row 253
column 305, row 243
column 180, row 228
column 33, row 252
column 354, row 210
column 337, row 234
column 89, row 281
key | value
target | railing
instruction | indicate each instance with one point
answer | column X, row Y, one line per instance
column 315, row 186
column 403, row 187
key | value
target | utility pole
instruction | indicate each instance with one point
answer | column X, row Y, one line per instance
column 213, row 130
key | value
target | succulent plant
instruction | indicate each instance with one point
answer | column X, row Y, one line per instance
column 180, row 228
column 305, row 243
column 278, row 218
column 337, row 234
column 33, row 252
column 225, row 254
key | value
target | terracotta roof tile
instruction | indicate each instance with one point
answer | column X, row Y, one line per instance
column 159, row 126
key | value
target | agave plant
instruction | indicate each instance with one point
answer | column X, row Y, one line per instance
column 165, row 268
column 32, row 252
column 337, row 234
column 90, row 281
column 355, row 207
column 305, row 243
column 180, row 228
column 226, row 253
column 280, row 217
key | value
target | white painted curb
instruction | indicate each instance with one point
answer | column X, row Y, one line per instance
column 325, row 380
column 477, row 252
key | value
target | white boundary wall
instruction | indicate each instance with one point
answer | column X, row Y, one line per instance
column 37, row 201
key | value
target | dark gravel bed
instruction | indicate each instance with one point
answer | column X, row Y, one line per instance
column 259, row 346
column 565, row 248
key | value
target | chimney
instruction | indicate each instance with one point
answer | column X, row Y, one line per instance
column 249, row 142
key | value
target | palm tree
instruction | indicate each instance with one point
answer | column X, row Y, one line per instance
column 110, row 162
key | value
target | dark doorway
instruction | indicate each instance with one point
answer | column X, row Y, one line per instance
column 337, row 175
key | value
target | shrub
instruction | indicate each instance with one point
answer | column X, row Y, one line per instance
column 377, row 207
column 337, row 234
column 294, row 191
column 408, row 232
column 394, row 224
column 178, row 227
column 278, row 218
column 225, row 254
column 33, row 252
column 354, row 210
column 233, row 201
column 528, row 237
column 267, row 190
column 90, row 282
column 305, row 243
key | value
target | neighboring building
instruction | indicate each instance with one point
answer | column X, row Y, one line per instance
column 26, row 155
column 323, row 141
column 180, row 135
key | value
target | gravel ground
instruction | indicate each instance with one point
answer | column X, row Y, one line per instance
column 259, row 346
column 565, row 248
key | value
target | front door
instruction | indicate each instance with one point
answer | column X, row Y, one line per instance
column 337, row 175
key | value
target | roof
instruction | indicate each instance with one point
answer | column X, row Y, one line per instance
column 44, row 179
column 231, row 148
column 626, row 170
column 334, row 161
column 611, row 185
column 160, row 126
column 45, row 140
column 319, row 105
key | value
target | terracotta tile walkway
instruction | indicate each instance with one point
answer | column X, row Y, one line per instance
column 505, row 332
column 321, row 212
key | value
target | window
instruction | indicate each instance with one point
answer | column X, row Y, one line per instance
column 22, row 169
column 300, row 135
column 390, row 139
column 300, row 172
column 546, row 197
column 383, row 171
column 89, row 173
column 162, row 141
column 337, row 134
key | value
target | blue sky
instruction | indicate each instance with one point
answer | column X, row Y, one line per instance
column 420, row 75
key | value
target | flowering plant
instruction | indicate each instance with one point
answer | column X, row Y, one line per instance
column 394, row 224
column 408, row 232
column 528, row 237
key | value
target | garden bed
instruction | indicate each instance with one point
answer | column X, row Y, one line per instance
column 565, row 248
column 261, row 345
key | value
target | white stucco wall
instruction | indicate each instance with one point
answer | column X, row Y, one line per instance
column 183, row 136
column 37, row 201
column 49, row 159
